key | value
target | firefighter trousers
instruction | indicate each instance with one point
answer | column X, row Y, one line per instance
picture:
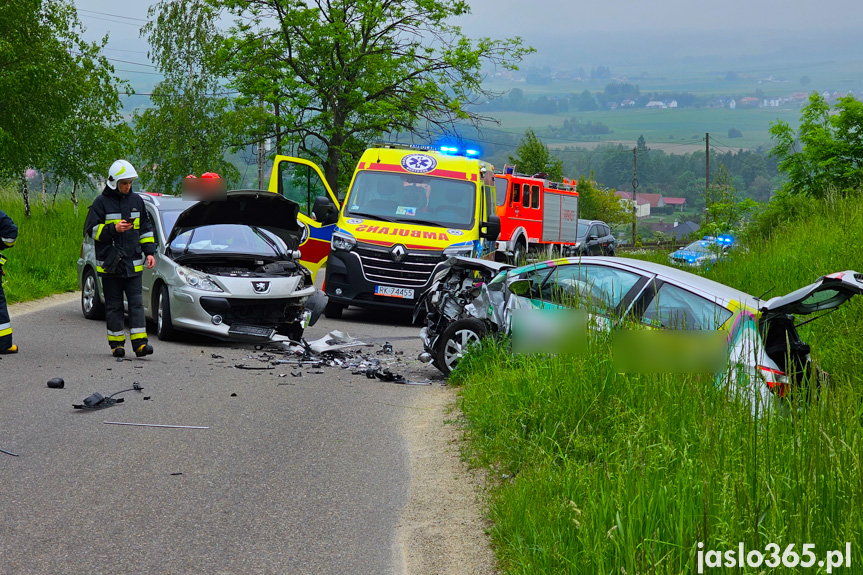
column 114, row 287
column 5, row 322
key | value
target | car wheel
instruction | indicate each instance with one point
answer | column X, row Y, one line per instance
column 455, row 340
column 611, row 251
column 164, row 326
column 91, row 306
column 334, row 310
column 519, row 252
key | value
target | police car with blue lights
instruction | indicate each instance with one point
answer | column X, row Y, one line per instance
column 703, row 252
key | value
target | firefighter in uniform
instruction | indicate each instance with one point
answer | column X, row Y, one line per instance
column 8, row 235
column 120, row 227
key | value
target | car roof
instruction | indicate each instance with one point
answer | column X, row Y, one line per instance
column 676, row 276
column 583, row 221
column 167, row 203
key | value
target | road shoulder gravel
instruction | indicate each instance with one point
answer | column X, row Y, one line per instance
column 442, row 529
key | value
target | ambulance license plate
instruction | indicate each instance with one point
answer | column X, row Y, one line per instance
column 388, row 291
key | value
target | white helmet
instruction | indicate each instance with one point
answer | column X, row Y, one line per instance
column 120, row 170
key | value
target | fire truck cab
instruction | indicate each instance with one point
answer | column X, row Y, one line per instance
column 535, row 214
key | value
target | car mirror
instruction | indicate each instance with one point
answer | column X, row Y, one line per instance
column 520, row 288
column 593, row 237
column 490, row 230
column 325, row 211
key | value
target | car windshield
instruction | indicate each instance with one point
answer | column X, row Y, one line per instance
column 169, row 219
column 701, row 247
column 413, row 198
column 228, row 239
column 582, row 230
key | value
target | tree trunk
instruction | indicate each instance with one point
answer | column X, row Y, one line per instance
column 331, row 165
column 44, row 194
column 26, row 193
column 56, row 191
column 75, row 196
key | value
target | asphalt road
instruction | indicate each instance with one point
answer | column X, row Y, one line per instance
column 294, row 475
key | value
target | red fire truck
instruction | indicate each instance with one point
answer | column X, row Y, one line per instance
column 535, row 214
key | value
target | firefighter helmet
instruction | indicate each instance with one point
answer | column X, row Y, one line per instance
column 120, row 170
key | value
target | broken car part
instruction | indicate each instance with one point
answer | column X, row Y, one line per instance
column 56, row 383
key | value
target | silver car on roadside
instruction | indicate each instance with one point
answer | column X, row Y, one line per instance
column 227, row 269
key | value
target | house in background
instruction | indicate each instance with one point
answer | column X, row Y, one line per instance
column 642, row 209
column 678, row 204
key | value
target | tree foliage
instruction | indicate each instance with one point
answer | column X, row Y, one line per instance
column 826, row 153
column 188, row 130
column 598, row 203
column 533, row 157
column 58, row 94
column 327, row 77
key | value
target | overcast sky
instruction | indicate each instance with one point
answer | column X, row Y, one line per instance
column 563, row 30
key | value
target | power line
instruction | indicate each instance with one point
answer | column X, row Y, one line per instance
column 113, row 15
column 110, row 20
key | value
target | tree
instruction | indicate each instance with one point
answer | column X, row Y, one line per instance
column 826, row 153
column 347, row 72
column 44, row 72
column 598, row 203
column 94, row 134
column 734, row 133
column 533, row 157
column 187, row 131
column 586, row 102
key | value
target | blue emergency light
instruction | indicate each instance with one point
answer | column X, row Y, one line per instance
column 471, row 152
column 449, row 149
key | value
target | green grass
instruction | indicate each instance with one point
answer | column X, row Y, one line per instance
column 599, row 472
column 49, row 242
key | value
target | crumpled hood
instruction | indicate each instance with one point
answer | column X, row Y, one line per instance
column 265, row 210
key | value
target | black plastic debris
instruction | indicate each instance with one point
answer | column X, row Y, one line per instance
column 216, row 356
column 9, row 453
column 253, row 367
column 56, row 383
column 98, row 401
column 233, row 395
column 297, row 374
column 177, row 473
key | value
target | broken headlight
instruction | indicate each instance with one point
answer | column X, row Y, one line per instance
column 197, row 280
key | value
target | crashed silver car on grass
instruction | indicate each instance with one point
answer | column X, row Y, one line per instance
column 761, row 348
column 228, row 269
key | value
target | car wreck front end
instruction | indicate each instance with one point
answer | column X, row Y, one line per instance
column 232, row 271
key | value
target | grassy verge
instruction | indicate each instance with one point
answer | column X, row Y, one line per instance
column 49, row 243
column 599, row 472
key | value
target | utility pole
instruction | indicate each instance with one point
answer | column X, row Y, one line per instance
column 261, row 157
column 707, row 174
column 634, row 188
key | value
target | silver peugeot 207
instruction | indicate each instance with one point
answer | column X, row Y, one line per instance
column 227, row 269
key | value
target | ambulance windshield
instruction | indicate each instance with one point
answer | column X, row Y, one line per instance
column 413, row 198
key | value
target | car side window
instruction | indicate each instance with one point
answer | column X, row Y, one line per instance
column 536, row 277
column 534, row 198
column 675, row 308
column 591, row 286
column 516, row 193
column 526, row 196
column 606, row 231
column 594, row 231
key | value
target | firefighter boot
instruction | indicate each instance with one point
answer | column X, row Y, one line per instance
column 144, row 349
column 12, row 349
column 118, row 351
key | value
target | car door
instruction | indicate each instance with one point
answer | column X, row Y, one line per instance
column 148, row 277
column 828, row 292
column 303, row 181
column 594, row 241
column 600, row 289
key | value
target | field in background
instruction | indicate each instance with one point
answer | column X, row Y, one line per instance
column 599, row 472
column 49, row 243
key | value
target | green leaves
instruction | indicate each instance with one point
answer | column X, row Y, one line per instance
column 333, row 75
column 533, row 157
column 826, row 154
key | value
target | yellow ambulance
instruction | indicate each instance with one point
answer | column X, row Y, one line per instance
column 407, row 209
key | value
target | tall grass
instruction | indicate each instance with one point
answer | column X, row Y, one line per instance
column 600, row 472
column 49, row 243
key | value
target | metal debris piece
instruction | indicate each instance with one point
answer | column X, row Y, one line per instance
column 244, row 366
column 177, row 473
column 298, row 374
column 155, row 425
column 216, row 356
column 386, row 349
column 334, row 341
column 9, row 453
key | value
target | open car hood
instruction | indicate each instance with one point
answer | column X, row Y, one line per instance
column 265, row 210
column 828, row 292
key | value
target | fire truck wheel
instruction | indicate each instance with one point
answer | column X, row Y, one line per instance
column 519, row 252
column 455, row 340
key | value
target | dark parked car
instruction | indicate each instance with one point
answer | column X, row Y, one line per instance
column 594, row 239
